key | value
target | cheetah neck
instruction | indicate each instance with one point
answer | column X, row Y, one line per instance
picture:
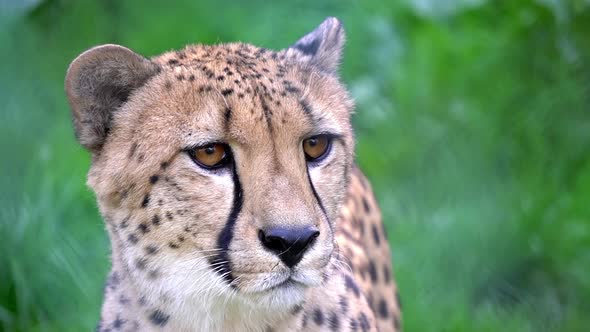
column 124, row 303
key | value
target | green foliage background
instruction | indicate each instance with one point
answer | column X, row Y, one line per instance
column 473, row 123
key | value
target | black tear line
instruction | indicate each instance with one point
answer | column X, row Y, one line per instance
column 220, row 262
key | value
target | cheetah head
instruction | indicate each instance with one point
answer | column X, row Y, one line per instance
column 220, row 169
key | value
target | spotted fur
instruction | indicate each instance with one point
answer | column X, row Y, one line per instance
column 186, row 247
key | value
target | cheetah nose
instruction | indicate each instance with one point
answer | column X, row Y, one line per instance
column 289, row 244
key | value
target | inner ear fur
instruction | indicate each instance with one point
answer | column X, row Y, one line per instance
column 321, row 48
column 97, row 83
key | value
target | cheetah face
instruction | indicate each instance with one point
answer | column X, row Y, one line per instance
column 220, row 170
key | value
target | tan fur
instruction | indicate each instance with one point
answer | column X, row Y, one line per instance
column 164, row 214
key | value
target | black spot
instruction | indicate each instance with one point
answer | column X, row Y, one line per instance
column 220, row 78
column 304, row 320
column 169, row 215
column 267, row 114
column 297, row 309
column 172, row 62
column 310, row 48
column 366, row 205
column 168, row 85
column 141, row 263
column 124, row 223
column 334, row 321
column 164, row 165
column 156, row 219
column 142, row 301
column 180, row 77
column 372, row 271
column 353, row 325
column 343, row 304
column 292, row 89
column 124, row 300
column 227, row 117
column 318, row 317
column 118, row 323
column 143, row 228
column 132, row 238
column 113, row 281
column 151, row 249
column 173, row 245
column 227, row 92
column 154, row 179
column 146, row 201
column 376, row 236
column 383, row 310
column 364, row 322
column 159, row 318
column 240, row 95
column 191, row 78
column 352, row 286
column 386, row 274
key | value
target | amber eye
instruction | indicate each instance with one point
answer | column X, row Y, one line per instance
column 316, row 147
column 211, row 155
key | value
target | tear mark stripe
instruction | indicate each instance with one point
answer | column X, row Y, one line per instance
column 220, row 262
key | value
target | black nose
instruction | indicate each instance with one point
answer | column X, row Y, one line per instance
column 289, row 244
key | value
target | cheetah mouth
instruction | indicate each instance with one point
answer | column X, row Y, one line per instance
column 287, row 283
column 291, row 282
column 267, row 283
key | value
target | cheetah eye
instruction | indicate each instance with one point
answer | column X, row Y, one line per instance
column 210, row 156
column 316, row 147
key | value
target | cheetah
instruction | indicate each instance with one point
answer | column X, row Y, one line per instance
column 226, row 180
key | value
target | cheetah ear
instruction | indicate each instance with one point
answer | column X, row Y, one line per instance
column 97, row 83
column 321, row 48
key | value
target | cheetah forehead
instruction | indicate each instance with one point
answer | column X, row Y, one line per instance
column 242, row 85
